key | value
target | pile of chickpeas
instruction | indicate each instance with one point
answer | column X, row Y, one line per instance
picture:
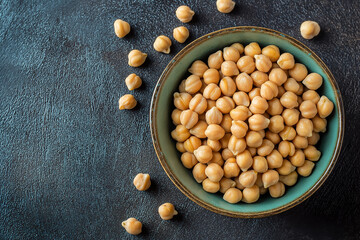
column 248, row 121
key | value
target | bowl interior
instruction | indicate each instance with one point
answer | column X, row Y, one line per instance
column 163, row 106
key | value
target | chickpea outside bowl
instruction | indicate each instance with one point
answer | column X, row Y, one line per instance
column 161, row 124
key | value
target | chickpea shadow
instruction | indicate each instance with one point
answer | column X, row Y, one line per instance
column 154, row 188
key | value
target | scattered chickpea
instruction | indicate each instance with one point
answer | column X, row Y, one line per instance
column 325, row 107
column 121, row 28
column 184, row 14
column 272, row 52
column 210, row 186
column 133, row 81
column 132, row 226
column 290, row 179
column 286, row 61
column 225, row 6
column 306, row 169
column 167, row 211
column 251, row 194
column 298, row 72
column 262, row 63
column 127, row 102
column 198, row 103
column 246, row 64
column 136, row 58
column 199, row 172
column 309, row 29
column 162, row 44
column 277, row 190
column 191, row 144
column 180, row 34
column 142, row 181
column 225, row 184
column 244, row 160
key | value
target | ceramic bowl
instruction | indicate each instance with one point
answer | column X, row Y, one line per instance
column 161, row 124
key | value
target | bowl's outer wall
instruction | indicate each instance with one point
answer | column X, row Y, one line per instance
column 165, row 106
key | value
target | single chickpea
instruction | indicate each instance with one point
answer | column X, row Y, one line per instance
column 260, row 164
column 180, row 147
column 214, row 132
column 198, row 104
column 241, row 98
column 266, row 148
column 272, row 52
column 210, row 186
column 231, row 169
column 298, row 159
column 254, row 139
column 213, row 116
column 275, row 107
column 325, row 107
column 180, row 133
column 193, row 84
column 233, row 195
column 262, row 63
column 248, row 178
column 258, row 105
column 203, row 154
column 319, row 124
column 252, row 151
column 217, row 158
column 313, row 81
column 251, row 194
column 258, row 122
column 281, row 91
column 188, row 118
column 239, row 128
column 298, row 72
column 262, row 133
column 226, row 123
column 276, row 124
column 210, row 105
column 304, row 127
column 288, row 134
column 246, row 64
column 214, row 172
column 188, row 160
column 286, row 61
column 227, row 86
column 225, row 6
column 273, row 137
column 236, row 145
column 300, row 142
column 274, row 159
column 277, row 76
column 199, row 172
column 199, row 129
column 292, row 85
column 212, row 92
column 136, row 58
column 225, row 184
column 167, row 211
column 290, row 179
column 311, row 95
column 306, row 169
column 142, row 181
column 226, row 154
column 132, row 226
column 259, row 181
column 269, row 90
column 215, row 60
column 309, row 29
column 127, row 102
column 225, row 104
column 133, row 81
column 121, row 28
column 313, row 140
column 301, row 90
column 229, row 68
column 289, row 100
column 286, row 168
column 180, row 34
column 198, row 68
column 192, row 143
column 286, row 148
column 308, row 109
column 255, row 92
column 182, row 100
column 277, row 190
column 312, row 154
column 211, row 76
column 291, row 116
column 162, row 44
column 184, row 14
column 244, row 160
column 252, row 49
column 270, row 178
column 259, row 78
column 240, row 113
column 231, row 54
column 182, row 86
column 244, row 82
column 239, row 47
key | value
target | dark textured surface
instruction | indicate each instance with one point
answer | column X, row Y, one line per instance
column 68, row 155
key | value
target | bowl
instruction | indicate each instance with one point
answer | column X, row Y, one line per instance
column 161, row 124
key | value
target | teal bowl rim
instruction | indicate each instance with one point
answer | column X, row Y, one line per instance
column 187, row 192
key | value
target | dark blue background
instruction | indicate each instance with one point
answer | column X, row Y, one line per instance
column 68, row 155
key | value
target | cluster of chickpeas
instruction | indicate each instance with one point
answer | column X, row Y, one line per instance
column 247, row 122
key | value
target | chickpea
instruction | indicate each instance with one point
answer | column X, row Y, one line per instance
column 180, row 147
column 260, row 164
column 273, row 137
column 212, row 92
column 291, row 116
column 162, row 44
column 231, row 169
column 210, row 186
column 225, row 140
column 313, row 81
column 199, row 172
column 292, row 85
column 254, row 139
column 300, row 91
column 325, row 107
column 308, row 109
column 286, row 61
column 309, row 29
column 180, row 133
column 272, row 52
column 275, row 107
column 277, row 190
column 225, row 104
column 240, row 113
column 229, row 68
column 288, row 133
column 259, row 182
column 233, row 195
column 262, row 133
column 188, row 160
column 236, row 145
column 258, row 122
column 304, row 127
column 244, row 82
column 136, row 58
column 180, row 34
column 277, row 76
column 286, row 148
column 127, row 102
column 225, row 184
column 214, row 132
column 133, row 81
column 313, row 140
column 211, row 76
column 199, row 129
column 251, row 194
column 306, row 169
column 252, row 49
column 214, row 172
column 217, row 158
column 248, row 178
column 227, row 86
column 198, row 68
column 266, row 148
column 210, row 105
column 269, row 90
column 298, row 72
column 255, row 92
column 142, row 181
column 246, row 64
column 215, row 60
column 241, row 98
column 226, row 154
column 312, row 154
column 311, row 95
column 286, row 168
column 290, row 179
column 258, row 105
column 203, row 154
column 226, row 123
column 198, row 104
column 193, row 84
column 225, row 6
column 298, row 159
column 184, row 14
column 192, row 143
column 276, row 124
column 239, row 47
column 213, row 116
column 121, row 28
column 188, row 118
column 270, row 178
column 262, row 63
column 239, row 128
column 319, row 124
column 259, row 78
column 182, row 100
column 182, row 86
column 244, row 160
column 231, row 54
column 299, row 100
column 132, row 226
column 274, row 159
column 281, row 91
column 289, row 100
column 167, row 211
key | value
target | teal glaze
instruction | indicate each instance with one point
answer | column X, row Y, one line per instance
column 163, row 102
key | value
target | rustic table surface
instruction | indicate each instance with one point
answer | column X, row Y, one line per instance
column 68, row 155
